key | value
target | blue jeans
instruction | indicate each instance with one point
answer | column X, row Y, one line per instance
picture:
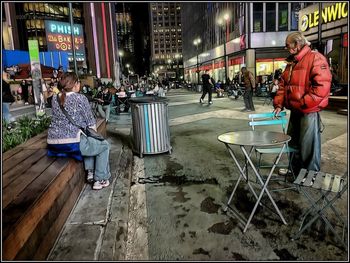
column 104, row 111
column 305, row 130
column 96, row 156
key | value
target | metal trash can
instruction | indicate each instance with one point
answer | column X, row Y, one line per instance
column 150, row 125
column 199, row 88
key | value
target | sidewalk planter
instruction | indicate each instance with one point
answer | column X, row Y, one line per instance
column 151, row 133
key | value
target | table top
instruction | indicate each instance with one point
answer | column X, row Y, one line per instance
column 254, row 138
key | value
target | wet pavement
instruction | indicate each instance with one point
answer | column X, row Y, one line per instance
column 173, row 205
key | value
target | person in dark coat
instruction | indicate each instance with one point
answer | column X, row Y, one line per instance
column 25, row 93
column 7, row 100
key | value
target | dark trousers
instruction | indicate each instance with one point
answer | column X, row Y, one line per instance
column 25, row 93
column 206, row 89
column 248, row 99
column 305, row 130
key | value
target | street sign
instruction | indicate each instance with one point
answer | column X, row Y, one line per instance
column 36, row 77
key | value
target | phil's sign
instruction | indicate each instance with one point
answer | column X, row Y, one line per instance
column 58, row 37
column 328, row 14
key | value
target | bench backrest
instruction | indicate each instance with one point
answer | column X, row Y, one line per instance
column 268, row 118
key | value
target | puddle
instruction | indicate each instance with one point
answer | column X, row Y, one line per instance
column 223, row 228
column 208, row 206
column 284, row 254
column 237, row 256
column 200, row 251
column 179, row 196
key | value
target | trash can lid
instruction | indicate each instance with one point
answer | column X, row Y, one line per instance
column 147, row 99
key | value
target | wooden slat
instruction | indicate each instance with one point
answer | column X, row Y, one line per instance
column 49, row 239
column 326, row 182
column 32, row 141
column 318, row 181
column 21, row 232
column 22, row 168
column 16, row 159
column 336, row 184
column 8, row 154
column 309, row 178
column 17, row 186
column 300, row 177
column 42, row 231
column 28, row 196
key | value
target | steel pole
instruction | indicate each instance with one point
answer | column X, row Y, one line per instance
column 197, row 67
column 72, row 37
column 225, row 54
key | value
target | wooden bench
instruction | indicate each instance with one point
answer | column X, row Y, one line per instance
column 38, row 194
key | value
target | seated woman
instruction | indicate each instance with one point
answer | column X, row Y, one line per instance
column 66, row 139
column 219, row 91
column 122, row 99
column 104, row 99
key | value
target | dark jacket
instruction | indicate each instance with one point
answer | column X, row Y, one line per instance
column 6, row 93
column 107, row 97
column 305, row 83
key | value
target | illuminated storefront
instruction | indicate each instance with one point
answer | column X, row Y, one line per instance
column 326, row 26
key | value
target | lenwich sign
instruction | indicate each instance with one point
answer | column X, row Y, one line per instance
column 329, row 14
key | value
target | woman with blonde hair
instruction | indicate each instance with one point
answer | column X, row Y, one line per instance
column 66, row 139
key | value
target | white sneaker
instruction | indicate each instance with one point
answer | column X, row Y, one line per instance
column 90, row 176
column 210, row 102
column 200, row 100
column 284, row 171
column 98, row 185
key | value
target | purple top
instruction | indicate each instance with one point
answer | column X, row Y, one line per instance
column 61, row 130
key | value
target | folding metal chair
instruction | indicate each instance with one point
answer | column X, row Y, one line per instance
column 269, row 119
column 331, row 188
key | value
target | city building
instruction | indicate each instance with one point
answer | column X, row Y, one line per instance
column 125, row 36
column 326, row 26
column 166, row 40
column 236, row 34
column 50, row 24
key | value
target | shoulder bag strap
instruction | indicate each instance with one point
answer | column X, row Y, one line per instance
column 66, row 113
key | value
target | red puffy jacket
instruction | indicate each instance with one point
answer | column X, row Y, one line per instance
column 305, row 83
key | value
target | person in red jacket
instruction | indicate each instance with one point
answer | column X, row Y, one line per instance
column 304, row 90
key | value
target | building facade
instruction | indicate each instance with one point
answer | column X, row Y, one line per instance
column 251, row 35
column 49, row 23
column 166, row 40
column 326, row 26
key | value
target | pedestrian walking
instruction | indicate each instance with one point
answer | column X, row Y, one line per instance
column 249, row 83
column 207, row 85
column 66, row 139
column 304, row 89
column 7, row 99
column 25, row 91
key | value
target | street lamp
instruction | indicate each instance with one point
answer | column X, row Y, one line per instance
column 223, row 22
column 121, row 54
column 196, row 42
column 177, row 55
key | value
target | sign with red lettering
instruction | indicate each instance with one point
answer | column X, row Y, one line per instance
column 345, row 40
column 58, row 38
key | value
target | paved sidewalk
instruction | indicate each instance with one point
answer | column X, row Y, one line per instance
column 97, row 227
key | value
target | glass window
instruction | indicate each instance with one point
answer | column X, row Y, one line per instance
column 295, row 8
column 282, row 16
column 270, row 17
column 257, row 17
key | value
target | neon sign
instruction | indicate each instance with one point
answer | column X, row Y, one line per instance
column 328, row 14
column 58, row 38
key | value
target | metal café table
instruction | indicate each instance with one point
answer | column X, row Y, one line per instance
column 253, row 139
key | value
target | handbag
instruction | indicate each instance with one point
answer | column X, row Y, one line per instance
column 89, row 132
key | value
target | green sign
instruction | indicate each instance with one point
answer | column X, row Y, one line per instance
column 33, row 50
